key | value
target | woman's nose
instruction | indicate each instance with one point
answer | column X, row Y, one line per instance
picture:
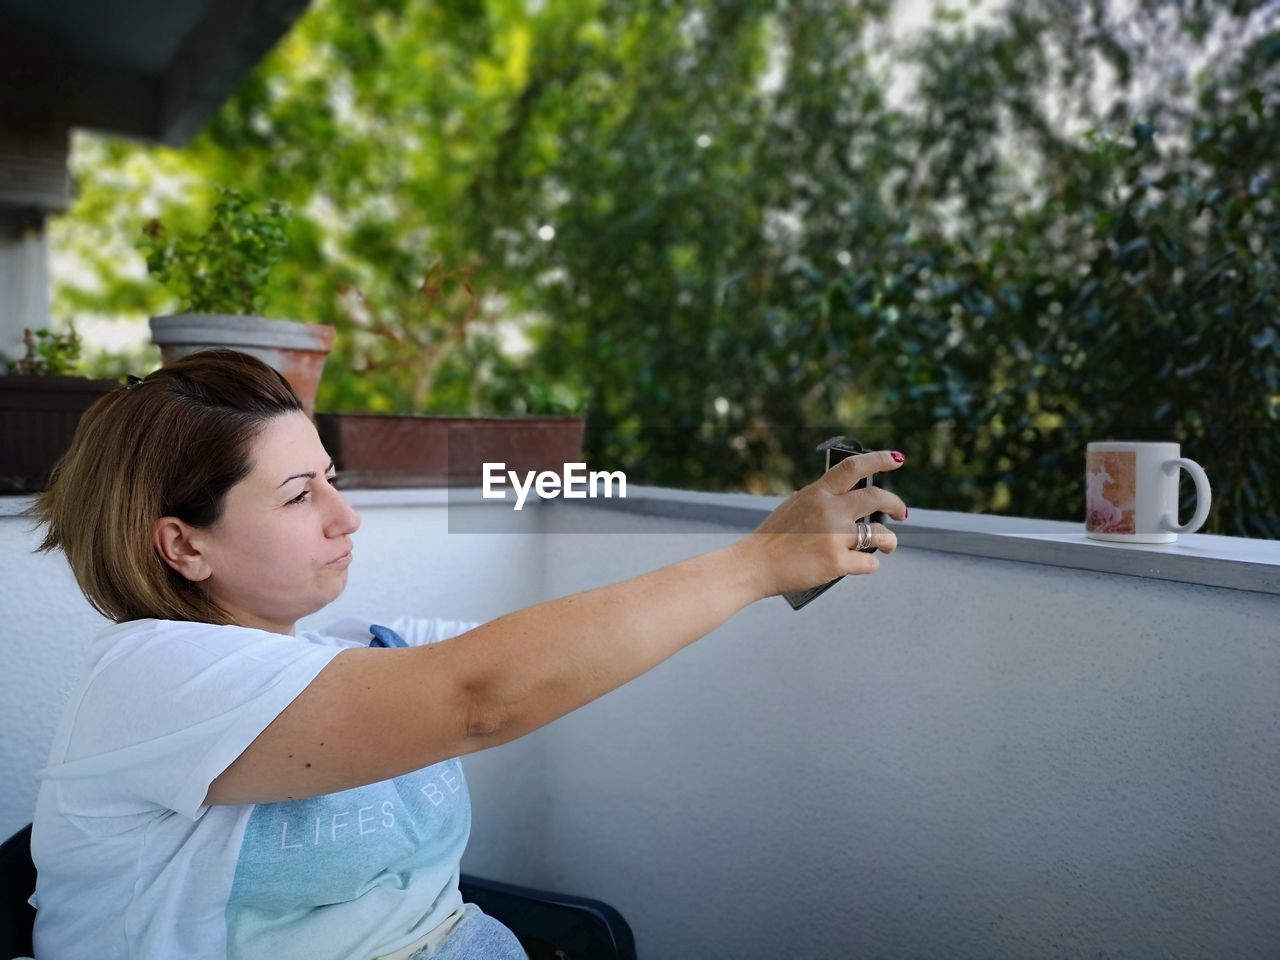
column 345, row 519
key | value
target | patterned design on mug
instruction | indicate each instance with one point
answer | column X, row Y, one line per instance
column 1111, row 479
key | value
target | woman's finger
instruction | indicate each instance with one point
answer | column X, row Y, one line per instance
column 868, row 500
column 856, row 563
column 842, row 477
column 882, row 538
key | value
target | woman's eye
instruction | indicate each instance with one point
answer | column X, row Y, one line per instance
column 300, row 498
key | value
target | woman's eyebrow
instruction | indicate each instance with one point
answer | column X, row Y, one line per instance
column 310, row 475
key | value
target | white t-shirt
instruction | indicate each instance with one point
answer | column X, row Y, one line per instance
column 132, row 864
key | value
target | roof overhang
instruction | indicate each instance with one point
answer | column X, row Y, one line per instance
column 153, row 70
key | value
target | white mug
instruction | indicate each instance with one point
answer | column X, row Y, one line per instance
column 1131, row 492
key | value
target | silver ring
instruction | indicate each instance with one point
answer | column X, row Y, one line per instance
column 864, row 537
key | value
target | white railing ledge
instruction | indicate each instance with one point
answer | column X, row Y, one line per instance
column 1237, row 563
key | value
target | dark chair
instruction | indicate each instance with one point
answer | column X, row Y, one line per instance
column 553, row 926
column 17, row 882
column 550, row 926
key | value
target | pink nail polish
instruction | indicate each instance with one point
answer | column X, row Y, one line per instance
column 897, row 457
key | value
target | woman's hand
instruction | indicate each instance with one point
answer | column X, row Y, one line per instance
column 810, row 537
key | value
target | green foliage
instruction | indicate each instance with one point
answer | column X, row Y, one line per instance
column 226, row 267
column 118, row 363
column 48, row 354
column 416, row 330
column 723, row 234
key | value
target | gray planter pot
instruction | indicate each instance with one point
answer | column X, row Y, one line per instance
column 297, row 350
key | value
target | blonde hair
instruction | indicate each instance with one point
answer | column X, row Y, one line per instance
column 170, row 444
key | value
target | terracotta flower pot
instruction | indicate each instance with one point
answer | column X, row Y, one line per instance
column 379, row 450
column 38, row 418
column 297, row 350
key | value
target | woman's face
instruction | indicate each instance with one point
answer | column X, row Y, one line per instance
column 282, row 546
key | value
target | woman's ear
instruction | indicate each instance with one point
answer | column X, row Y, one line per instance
column 173, row 541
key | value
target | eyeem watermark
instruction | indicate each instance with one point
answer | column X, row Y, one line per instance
column 548, row 483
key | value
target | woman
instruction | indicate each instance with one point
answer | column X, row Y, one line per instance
column 220, row 786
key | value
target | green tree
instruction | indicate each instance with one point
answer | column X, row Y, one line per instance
column 726, row 236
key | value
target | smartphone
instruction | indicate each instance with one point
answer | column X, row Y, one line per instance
column 836, row 449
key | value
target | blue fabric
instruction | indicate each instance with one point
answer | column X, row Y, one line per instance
column 476, row 937
column 385, row 637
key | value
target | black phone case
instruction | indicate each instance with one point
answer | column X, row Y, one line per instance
column 837, row 449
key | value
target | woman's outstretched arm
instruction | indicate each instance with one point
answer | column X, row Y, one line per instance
column 374, row 714
column 535, row 665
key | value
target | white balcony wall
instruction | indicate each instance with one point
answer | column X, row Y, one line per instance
column 958, row 757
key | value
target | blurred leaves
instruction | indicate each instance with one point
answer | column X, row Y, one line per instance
column 728, row 229
column 224, row 268
column 48, row 354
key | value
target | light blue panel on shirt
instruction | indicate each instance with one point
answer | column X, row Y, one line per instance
column 329, row 849
column 300, row 854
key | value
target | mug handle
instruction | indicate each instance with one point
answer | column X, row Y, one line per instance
column 1203, row 496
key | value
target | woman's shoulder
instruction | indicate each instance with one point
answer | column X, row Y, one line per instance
column 153, row 628
column 116, row 639
column 142, row 638
column 145, row 660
